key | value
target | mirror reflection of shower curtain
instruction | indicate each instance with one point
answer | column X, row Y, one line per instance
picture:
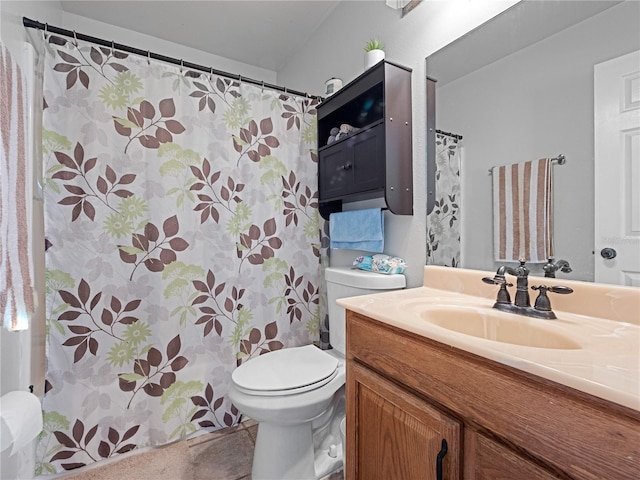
column 443, row 223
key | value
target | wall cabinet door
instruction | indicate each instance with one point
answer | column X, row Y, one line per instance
column 485, row 459
column 333, row 172
column 368, row 160
column 392, row 434
column 353, row 166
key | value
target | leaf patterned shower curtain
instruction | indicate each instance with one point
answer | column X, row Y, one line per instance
column 443, row 223
column 183, row 239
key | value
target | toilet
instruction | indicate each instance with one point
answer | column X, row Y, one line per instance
column 297, row 394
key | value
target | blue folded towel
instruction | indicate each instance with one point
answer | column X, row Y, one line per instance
column 358, row 230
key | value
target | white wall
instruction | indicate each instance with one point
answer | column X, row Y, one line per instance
column 336, row 50
column 535, row 103
column 11, row 12
column 131, row 38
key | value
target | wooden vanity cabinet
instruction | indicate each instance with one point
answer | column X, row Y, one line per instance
column 487, row 459
column 406, row 393
column 399, row 435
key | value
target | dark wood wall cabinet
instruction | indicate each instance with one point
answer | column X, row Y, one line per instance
column 375, row 160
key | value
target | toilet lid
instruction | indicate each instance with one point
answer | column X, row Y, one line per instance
column 286, row 372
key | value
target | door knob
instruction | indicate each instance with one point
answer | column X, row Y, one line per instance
column 608, row 253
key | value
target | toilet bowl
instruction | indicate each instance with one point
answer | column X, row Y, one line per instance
column 289, row 412
column 297, row 394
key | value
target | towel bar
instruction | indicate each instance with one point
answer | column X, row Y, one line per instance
column 560, row 160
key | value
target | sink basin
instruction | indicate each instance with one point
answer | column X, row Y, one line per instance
column 499, row 327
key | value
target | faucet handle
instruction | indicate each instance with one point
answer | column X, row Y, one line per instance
column 557, row 289
column 503, row 293
column 542, row 302
column 560, row 289
column 497, row 280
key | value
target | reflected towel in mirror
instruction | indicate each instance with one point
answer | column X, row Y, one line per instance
column 523, row 211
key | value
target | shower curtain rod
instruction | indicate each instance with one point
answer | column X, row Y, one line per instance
column 449, row 134
column 27, row 22
column 560, row 160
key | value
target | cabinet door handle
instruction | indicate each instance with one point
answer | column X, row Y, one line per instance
column 347, row 166
column 439, row 458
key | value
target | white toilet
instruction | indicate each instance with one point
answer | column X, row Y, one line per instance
column 297, row 394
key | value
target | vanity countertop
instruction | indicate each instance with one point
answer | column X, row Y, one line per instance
column 603, row 320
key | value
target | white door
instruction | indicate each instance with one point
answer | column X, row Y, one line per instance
column 617, row 170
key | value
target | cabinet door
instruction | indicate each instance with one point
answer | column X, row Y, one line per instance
column 394, row 435
column 485, row 459
column 353, row 166
column 334, row 171
column 367, row 158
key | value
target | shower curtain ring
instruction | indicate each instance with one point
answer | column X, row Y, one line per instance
column 148, row 57
column 46, row 31
column 113, row 45
column 262, row 86
column 240, row 79
column 181, row 65
column 211, row 74
column 75, row 39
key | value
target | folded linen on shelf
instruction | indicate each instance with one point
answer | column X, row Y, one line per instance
column 357, row 230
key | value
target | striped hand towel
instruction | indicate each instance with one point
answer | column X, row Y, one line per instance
column 523, row 211
column 16, row 289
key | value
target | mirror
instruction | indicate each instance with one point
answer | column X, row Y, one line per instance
column 520, row 87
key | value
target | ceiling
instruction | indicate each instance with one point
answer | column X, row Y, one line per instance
column 521, row 25
column 262, row 33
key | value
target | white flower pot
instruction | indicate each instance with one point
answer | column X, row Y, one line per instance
column 372, row 57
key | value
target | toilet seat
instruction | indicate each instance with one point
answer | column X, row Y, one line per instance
column 286, row 372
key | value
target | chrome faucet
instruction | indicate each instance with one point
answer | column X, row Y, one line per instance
column 522, row 303
column 552, row 267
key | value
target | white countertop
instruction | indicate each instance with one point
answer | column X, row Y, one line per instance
column 606, row 365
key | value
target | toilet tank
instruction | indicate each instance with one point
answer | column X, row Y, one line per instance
column 350, row 282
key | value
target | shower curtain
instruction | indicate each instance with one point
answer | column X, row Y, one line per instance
column 443, row 223
column 182, row 239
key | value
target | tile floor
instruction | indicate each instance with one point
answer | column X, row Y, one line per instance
column 223, row 455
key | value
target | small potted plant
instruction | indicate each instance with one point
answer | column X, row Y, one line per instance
column 374, row 53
